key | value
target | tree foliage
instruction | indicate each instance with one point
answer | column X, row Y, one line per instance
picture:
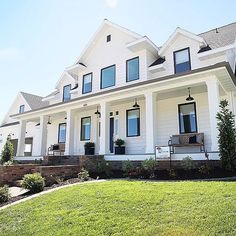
column 8, row 151
column 227, row 136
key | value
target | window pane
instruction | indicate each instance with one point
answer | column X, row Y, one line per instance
column 182, row 61
column 187, row 117
column 85, row 128
column 22, row 109
column 66, row 93
column 133, row 123
column 62, row 133
column 87, row 83
column 133, row 69
column 108, row 77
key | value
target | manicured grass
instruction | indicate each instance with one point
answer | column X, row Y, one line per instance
column 127, row 208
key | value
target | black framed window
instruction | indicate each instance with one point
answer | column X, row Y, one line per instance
column 132, row 69
column 87, row 83
column 22, row 109
column 187, row 118
column 182, row 60
column 66, row 93
column 133, row 122
column 85, row 128
column 108, row 77
column 62, row 133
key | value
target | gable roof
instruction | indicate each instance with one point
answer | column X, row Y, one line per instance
column 105, row 23
column 220, row 37
column 34, row 101
column 186, row 33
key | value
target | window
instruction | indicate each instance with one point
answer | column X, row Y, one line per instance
column 85, row 128
column 66, row 93
column 116, row 126
column 132, row 69
column 187, row 118
column 133, row 122
column 108, row 38
column 87, row 83
column 62, row 133
column 108, row 77
column 22, row 109
column 182, row 60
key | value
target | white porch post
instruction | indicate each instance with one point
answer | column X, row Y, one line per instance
column 69, row 146
column 150, row 102
column 104, row 135
column 21, row 139
column 43, row 135
column 213, row 103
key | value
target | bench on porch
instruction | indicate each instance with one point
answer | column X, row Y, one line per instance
column 56, row 148
column 187, row 140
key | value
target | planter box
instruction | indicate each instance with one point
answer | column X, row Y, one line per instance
column 120, row 150
column 89, row 151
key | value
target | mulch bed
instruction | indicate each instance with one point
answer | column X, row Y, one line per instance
column 66, row 182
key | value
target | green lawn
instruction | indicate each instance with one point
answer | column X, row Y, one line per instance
column 127, row 208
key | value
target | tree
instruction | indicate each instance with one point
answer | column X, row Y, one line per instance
column 227, row 136
column 7, row 152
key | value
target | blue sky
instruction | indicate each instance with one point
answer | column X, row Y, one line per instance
column 39, row 38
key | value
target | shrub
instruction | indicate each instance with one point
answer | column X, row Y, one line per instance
column 33, row 182
column 172, row 173
column 8, row 163
column 89, row 145
column 83, row 175
column 4, row 194
column 8, row 151
column 119, row 142
column 127, row 166
column 104, row 167
column 204, row 170
column 227, row 136
column 150, row 166
column 188, row 163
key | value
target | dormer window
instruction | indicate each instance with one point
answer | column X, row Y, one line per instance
column 22, row 109
column 108, row 38
column 182, row 60
column 66, row 93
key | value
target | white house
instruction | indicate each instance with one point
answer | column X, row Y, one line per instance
column 124, row 86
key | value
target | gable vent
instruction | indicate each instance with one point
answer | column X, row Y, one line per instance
column 108, row 38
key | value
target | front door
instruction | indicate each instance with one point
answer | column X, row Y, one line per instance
column 111, row 143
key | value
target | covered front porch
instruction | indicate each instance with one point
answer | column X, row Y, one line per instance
column 144, row 117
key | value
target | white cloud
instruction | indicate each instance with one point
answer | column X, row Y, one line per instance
column 112, row 3
column 7, row 54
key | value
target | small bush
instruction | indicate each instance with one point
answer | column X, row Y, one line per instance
column 119, row 142
column 8, row 163
column 33, row 182
column 4, row 194
column 204, row 170
column 127, row 166
column 83, row 175
column 172, row 173
column 150, row 166
column 103, row 167
column 188, row 163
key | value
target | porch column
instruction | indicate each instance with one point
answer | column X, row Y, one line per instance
column 43, row 136
column 213, row 103
column 150, row 104
column 104, row 134
column 21, row 138
column 69, row 145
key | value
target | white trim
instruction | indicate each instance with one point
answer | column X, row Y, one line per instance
column 157, row 68
column 185, row 33
column 201, row 55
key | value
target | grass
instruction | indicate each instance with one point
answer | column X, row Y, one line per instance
column 127, row 208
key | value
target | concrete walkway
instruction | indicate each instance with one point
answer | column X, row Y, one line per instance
column 48, row 191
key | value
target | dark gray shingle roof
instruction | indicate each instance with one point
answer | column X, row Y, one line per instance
column 34, row 101
column 221, row 36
